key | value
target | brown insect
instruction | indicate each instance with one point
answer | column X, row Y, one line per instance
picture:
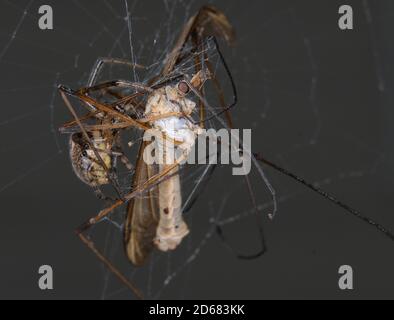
column 154, row 204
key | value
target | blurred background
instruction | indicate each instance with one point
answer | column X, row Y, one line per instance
column 319, row 101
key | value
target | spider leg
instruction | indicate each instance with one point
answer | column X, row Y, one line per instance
column 100, row 62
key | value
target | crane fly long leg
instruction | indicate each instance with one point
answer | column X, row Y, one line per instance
column 259, row 225
column 90, row 244
column 161, row 116
column 129, row 99
column 233, row 86
column 113, row 126
column 97, row 68
column 116, row 83
column 226, row 109
column 220, row 93
column 95, row 127
column 73, row 123
column 103, row 107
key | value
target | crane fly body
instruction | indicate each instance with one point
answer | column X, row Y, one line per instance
column 165, row 206
column 173, row 99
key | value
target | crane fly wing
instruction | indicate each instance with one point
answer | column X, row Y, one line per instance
column 142, row 214
column 209, row 21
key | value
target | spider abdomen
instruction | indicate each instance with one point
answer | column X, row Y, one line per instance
column 86, row 165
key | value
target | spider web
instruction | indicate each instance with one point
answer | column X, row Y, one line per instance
column 282, row 98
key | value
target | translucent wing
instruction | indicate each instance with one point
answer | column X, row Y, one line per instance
column 142, row 215
column 208, row 21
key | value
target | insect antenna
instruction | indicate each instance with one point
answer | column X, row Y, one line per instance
column 326, row 195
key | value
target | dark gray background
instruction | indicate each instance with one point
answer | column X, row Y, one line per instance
column 327, row 99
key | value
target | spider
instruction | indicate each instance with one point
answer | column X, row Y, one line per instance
column 154, row 204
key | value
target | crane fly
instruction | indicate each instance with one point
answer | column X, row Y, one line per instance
column 175, row 96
